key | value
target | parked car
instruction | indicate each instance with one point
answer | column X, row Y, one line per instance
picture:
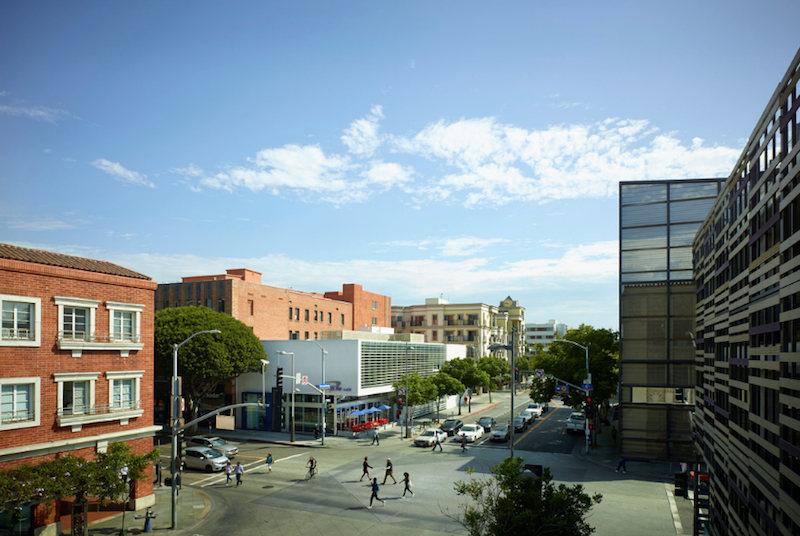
column 576, row 422
column 520, row 424
column 452, row 426
column 472, row 432
column 500, row 433
column 215, row 443
column 528, row 415
column 205, row 459
column 536, row 408
column 487, row 423
column 428, row 437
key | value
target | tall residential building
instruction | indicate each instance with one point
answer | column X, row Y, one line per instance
column 475, row 325
column 76, row 365
column 658, row 221
column 747, row 383
column 543, row 334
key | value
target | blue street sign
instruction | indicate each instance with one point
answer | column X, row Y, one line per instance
column 587, row 386
column 562, row 388
column 324, row 386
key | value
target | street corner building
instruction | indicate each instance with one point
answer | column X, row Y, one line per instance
column 76, row 364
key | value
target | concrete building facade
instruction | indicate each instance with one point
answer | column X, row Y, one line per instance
column 747, row 384
column 76, row 363
column 475, row 325
column 544, row 333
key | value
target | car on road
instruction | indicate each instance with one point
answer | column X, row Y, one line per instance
column 452, row 426
column 545, row 407
column 487, row 423
column 500, row 432
column 576, row 422
column 472, row 432
column 215, row 443
column 520, row 424
column 528, row 415
column 428, row 437
column 205, row 459
column 536, row 408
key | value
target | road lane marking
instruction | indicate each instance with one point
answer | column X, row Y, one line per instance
column 221, row 479
column 676, row 518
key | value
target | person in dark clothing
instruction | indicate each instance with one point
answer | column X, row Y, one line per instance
column 316, row 432
column 407, row 481
column 367, row 467
column 622, row 465
column 375, row 489
column 389, row 471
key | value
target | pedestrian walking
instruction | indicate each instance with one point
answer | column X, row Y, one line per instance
column 367, row 467
column 239, row 470
column 463, row 443
column 375, row 489
column 316, row 432
column 228, row 473
column 622, row 465
column 270, row 461
column 158, row 472
column 375, row 438
column 408, row 485
column 389, row 471
column 312, row 467
column 437, row 443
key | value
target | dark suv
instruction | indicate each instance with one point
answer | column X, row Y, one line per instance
column 451, row 426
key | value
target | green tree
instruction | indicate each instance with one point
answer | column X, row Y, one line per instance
column 496, row 368
column 466, row 371
column 446, row 385
column 421, row 390
column 207, row 359
column 511, row 504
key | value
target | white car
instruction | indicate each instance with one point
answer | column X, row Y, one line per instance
column 205, row 459
column 428, row 437
column 536, row 408
column 528, row 415
column 472, row 432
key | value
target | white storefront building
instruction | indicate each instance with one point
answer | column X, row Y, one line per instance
column 359, row 367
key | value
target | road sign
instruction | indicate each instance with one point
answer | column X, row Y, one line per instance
column 324, row 386
column 304, row 380
column 587, row 386
column 401, row 391
column 539, row 373
column 562, row 388
column 298, row 378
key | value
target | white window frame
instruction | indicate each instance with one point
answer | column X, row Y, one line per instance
column 127, row 413
column 36, row 402
column 36, row 321
column 78, row 303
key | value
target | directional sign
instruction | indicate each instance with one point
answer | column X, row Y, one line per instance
column 562, row 388
column 539, row 373
column 587, row 386
column 298, row 378
column 324, row 386
column 304, row 380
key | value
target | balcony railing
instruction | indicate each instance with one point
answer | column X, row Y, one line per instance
column 17, row 416
column 106, row 338
column 12, row 334
column 103, row 409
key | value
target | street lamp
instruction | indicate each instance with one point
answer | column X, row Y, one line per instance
column 324, row 353
column 510, row 347
column 264, row 364
column 294, row 386
column 588, row 380
column 176, row 408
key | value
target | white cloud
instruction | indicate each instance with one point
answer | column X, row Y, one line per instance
column 39, row 113
column 449, row 247
column 189, row 171
column 48, row 151
column 40, row 224
column 123, row 175
column 413, row 64
column 362, row 137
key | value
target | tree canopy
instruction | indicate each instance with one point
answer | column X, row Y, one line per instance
column 509, row 503
column 420, row 389
column 446, row 385
column 497, row 369
column 207, row 359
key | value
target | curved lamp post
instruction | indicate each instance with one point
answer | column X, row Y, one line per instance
column 176, row 408
column 588, row 379
column 324, row 353
column 294, row 386
column 509, row 347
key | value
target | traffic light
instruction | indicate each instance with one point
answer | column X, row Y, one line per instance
column 279, row 378
column 180, row 457
column 399, row 401
column 516, row 374
column 398, row 413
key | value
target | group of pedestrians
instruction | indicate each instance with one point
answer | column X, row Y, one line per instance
column 238, row 471
column 389, row 472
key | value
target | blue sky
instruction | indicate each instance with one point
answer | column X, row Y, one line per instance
column 469, row 150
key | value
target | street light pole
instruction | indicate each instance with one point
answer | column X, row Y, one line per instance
column 264, row 364
column 176, row 411
column 588, row 380
column 294, row 387
column 405, row 398
column 510, row 347
column 322, row 396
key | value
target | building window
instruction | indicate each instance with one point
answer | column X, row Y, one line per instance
column 329, row 318
column 290, row 335
column 315, row 316
column 252, row 306
column 306, row 335
column 374, row 305
column 124, row 327
column 75, row 392
column 124, row 389
column 19, row 402
column 343, row 320
column 290, row 312
column 434, row 319
column 307, row 316
column 297, row 314
column 209, row 303
column 435, row 335
column 315, row 334
column 220, row 305
column 76, row 318
column 374, row 321
column 21, row 320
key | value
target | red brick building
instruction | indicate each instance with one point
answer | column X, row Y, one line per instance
column 76, row 362
column 278, row 313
